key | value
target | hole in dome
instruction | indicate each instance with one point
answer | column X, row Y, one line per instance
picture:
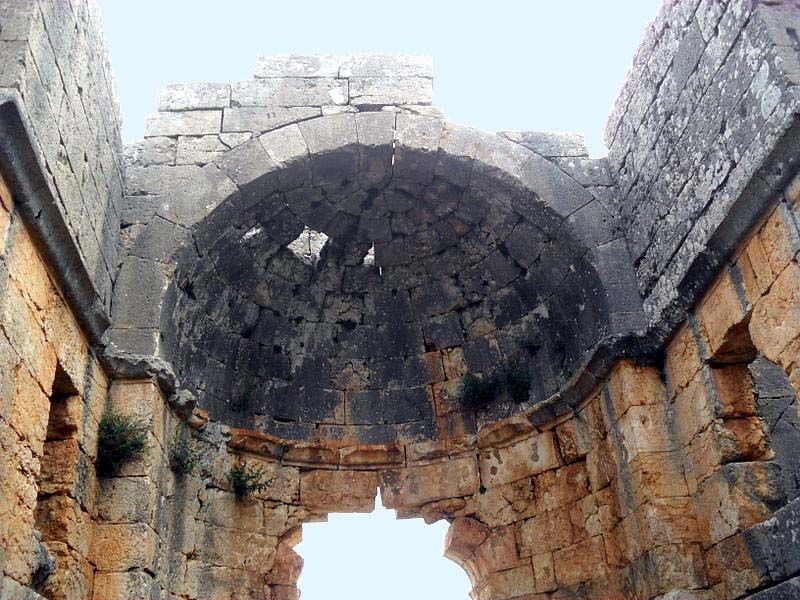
column 369, row 257
column 308, row 245
column 365, row 556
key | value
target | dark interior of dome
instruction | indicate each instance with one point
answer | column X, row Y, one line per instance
column 352, row 307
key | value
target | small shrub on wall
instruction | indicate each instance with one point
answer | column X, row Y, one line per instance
column 246, row 480
column 183, row 455
column 120, row 439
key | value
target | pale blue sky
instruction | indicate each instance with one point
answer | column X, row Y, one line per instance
column 499, row 65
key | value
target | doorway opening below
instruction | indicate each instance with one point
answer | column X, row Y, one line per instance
column 364, row 556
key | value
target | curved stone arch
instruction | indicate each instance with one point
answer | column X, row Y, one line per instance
column 368, row 150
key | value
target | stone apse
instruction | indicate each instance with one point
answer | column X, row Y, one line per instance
column 296, row 274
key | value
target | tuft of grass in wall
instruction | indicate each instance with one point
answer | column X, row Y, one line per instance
column 508, row 377
column 184, row 456
column 247, row 480
column 120, row 439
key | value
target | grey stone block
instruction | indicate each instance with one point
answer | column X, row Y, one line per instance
column 550, row 144
column 265, row 118
column 290, row 91
column 194, row 96
column 376, row 65
column 290, row 65
column 195, row 122
column 377, row 91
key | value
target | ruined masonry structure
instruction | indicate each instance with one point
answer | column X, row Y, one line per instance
column 294, row 273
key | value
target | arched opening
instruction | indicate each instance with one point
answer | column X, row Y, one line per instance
column 364, row 556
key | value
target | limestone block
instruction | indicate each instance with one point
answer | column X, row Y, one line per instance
column 290, row 65
column 549, row 143
column 646, row 429
column 522, row 459
column 237, row 549
column 387, row 65
column 375, row 135
column 720, row 311
column 634, row 385
column 60, row 517
column 258, row 119
column 694, row 409
column 121, row 547
column 61, row 466
column 339, row 491
column 463, row 537
column 133, row 585
column 206, row 582
column 657, row 475
column 665, row 521
column 195, row 122
column 127, row 500
column 29, row 410
column 418, row 485
column 289, row 91
column 575, row 437
column 194, row 96
column 287, row 567
column 734, row 388
column 224, row 509
column 198, row 150
column 371, row 91
column 511, row 583
column 678, row 566
column 583, row 561
column 557, row 488
column 546, row 532
column 150, row 151
column 775, row 324
column 682, row 360
column 778, row 238
column 737, row 496
column 143, row 399
column 25, row 333
column 727, row 441
column 73, row 577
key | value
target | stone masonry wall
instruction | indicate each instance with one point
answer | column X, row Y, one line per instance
column 54, row 69
column 712, row 89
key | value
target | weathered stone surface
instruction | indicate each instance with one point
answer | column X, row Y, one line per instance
column 419, row 485
column 534, row 455
column 367, row 91
column 264, row 118
column 289, row 92
column 194, row 96
column 197, row 122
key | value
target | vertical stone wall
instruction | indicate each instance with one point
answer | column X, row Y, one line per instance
column 52, row 392
column 55, row 78
column 712, row 90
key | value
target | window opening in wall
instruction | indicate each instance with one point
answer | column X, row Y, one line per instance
column 376, row 555
column 55, row 500
column 308, row 245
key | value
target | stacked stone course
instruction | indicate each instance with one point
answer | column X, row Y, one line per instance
column 301, row 268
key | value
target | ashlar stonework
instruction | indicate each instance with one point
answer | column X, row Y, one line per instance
column 295, row 275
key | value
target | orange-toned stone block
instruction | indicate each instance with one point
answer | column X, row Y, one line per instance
column 734, row 388
column 694, row 409
column 418, row 485
column 665, row 521
column 60, row 518
column 580, row 562
column 527, row 457
column 735, row 497
column 557, row 488
column 237, row 549
column 463, row 538
column 511, row 583
column 124, row 586
column 28, row 270
column 122, row 547
column 719, row 312
column 727, row 441
column 575, row 437
column 544, row 572
column 657, row 475
column 634, row 385
column 601, row 464
column 646, row 429
column 60, row 466
column 677, row 567
column 776, row 239
column 545, row 533
column 775, row 324
column 144, row 400
column 729, row 565
column 682, row 360
column 339, row 491
column 29, row 410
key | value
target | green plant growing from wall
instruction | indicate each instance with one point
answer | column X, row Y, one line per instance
column 184, row 455
column 246, row 480
column 508, row 377
column 120, row 439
